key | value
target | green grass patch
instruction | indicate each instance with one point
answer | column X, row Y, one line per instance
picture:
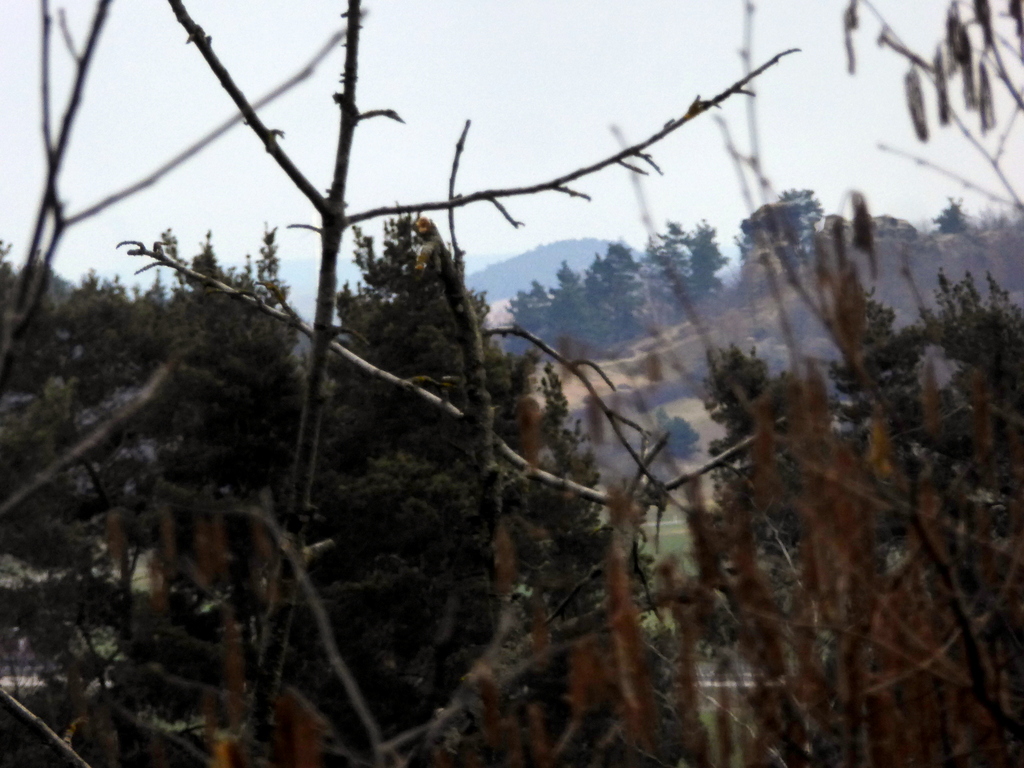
column 673, row 540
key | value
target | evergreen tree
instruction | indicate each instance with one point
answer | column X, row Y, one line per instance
column 682, row 267
column 612, row 288
column 238, row 385
column 531, row 310
column 788, row 223
column 570, row 313
column 601, row 307
column 804, row 211
column 407, row 582
column 879, row 391
column 682, row 437
column 669, row 262
column 952, row 220
column 706, row 260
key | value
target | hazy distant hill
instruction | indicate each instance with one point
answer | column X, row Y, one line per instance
column 506, row 278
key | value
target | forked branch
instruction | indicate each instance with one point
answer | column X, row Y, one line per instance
column 202, row 41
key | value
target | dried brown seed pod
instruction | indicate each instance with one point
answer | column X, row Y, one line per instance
column 965, row 58
column 957, row 39
column 850, row 23
column 528, row 418
column 952, row 37
column 986, row 105
column 941, row 89
column 863, row 227
column 983, row 14
column 504, row 560
column 915, row 103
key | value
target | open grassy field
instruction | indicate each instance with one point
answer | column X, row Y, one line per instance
column 673, row 540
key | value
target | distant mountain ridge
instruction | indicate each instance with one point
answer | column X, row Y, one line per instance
column 501, row 280
column 506, row 278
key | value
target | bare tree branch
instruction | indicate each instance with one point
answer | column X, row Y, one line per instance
column 47, row 20
column 550, row 480
column 574, row 366
column 518, row 330
column 613, row 417
column 460, row 145
column 43, row 732
column 69, row 41
column 559, row 183
column 479, row 414
column 333, row 228
column 966, row 183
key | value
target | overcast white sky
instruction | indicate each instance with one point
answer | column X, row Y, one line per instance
column 542, row 80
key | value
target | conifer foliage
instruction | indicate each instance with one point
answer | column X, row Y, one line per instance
column 407, row 582
column 617, row 296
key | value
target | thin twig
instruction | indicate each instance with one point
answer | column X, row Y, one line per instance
column 460, row 145
column 598, row 370
column 596, row 571
column 69, row 41
column 212, row 136
column 389, row 113
column 967, row 184
column 504, row 212
column 45, row 63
